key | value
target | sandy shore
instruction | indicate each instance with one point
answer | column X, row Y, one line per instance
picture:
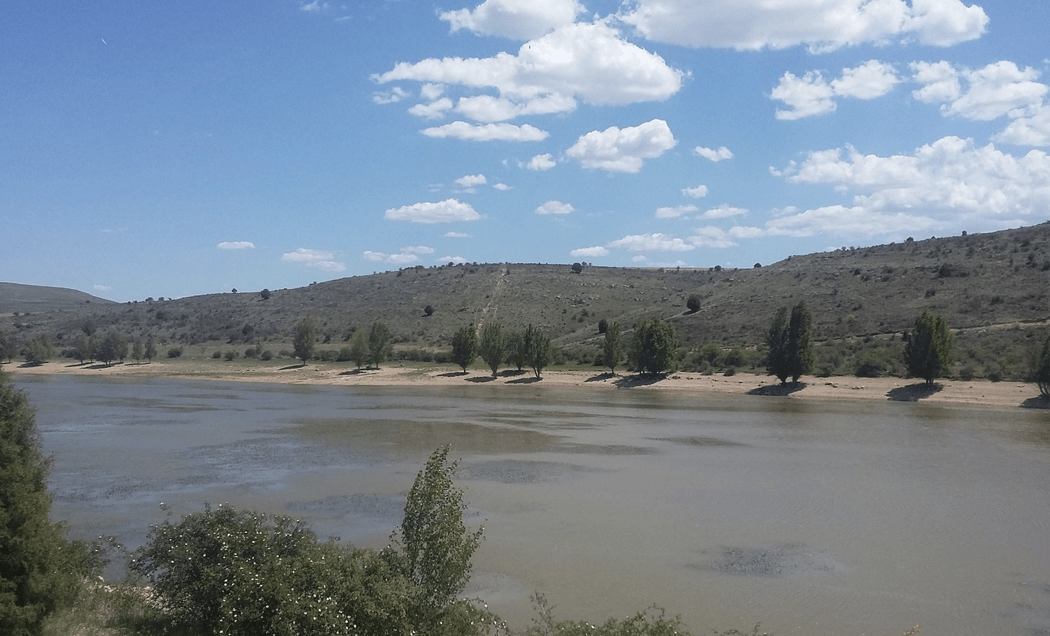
column 951, row 392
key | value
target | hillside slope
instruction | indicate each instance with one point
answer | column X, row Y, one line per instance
column 993, row 288
column 22, row 298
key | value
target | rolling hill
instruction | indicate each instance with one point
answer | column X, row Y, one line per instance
column 992, row 288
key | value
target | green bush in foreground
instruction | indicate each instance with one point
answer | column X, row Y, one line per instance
column 40, row 570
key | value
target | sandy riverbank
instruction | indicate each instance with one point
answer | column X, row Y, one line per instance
column 973, row 393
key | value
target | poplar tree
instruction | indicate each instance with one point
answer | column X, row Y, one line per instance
column 465, row 347
column 928, row 348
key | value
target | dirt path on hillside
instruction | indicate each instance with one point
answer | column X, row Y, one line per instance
column 491, row 308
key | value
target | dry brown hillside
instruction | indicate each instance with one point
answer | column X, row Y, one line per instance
column 992, row 288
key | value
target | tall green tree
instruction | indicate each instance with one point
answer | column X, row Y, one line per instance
column 433, row 538
column 613, row 349
column 151, row 348
column 800, row 342
column 928, row 347
column 84, row 348
column 113, row 346
column 359, row 348
column 465, row 347
column 777, row 362
column 653, row 346
column 790, row 343
column 138, row 350
column 1042, row 369
column 517, row 350
column 39, row 569
column 39, row 350
column 537, row 346
column 7, row 346
column 304, row 340
column 378, row 343
column 492, row 346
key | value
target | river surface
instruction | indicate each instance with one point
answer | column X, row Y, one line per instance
column 815, row 518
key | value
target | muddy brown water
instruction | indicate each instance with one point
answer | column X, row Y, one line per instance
column 816, row 518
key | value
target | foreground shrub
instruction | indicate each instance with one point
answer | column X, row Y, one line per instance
column 40, row 570
column 235, row 572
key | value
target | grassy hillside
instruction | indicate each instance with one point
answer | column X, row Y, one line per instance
column 29, row 298
column 992, row 288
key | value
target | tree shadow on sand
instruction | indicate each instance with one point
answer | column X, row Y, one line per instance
column 354, row 372
column 601, row 377
column 913, row 392
column 778, row 390
column 527, row 380
column 453, row 374
column 481, row 378
column 293, row 366
column 1037, row 402
column 631, row 381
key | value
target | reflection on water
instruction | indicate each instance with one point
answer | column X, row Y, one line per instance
column 813, row 518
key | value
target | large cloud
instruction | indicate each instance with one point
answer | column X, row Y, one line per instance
column 623, row 149
column 589, row 62
column 946, row 186
column 447, row 211
column 812, row 95
column 518, row 19
column 820, row 24
column 991, row 92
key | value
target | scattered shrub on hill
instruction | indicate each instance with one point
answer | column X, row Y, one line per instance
column 175, row 352
column 216, row 354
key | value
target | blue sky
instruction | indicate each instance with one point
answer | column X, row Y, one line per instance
column 173, row 149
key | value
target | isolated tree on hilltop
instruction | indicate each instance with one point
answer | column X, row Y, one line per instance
column 928, row 348
column 693, row 304
column 465, row 347
column 304, row 340
column 491, row 346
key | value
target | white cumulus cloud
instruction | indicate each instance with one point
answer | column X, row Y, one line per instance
column 518, row 19
column 541, row 162
column 405, row 256
column 588, row 62
column 589, row 252
column 675, row 212
column 487, row 132
column 392, row 96
column 452, row 259
column 993, row 91
column 447, row 211
column 555, row 207
column 822, row 25
column 715, row 155
column 811, row 94
column 471, row 181
column 236, row 245
column 314, row 259
column 698, row 192
column 724, row 212
column 946, row 186
column 652, row 243
column 623, row 149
